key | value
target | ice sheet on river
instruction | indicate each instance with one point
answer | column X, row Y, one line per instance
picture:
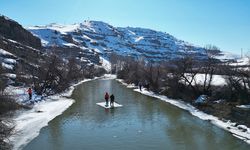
column 103, row 104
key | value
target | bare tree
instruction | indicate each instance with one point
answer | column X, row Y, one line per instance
column 152, row 74
column 208, row 69
column 238, row 83
column 51, row 77
column 114, row 60
column 74, row 70
column 187, row 70
column 2, row 82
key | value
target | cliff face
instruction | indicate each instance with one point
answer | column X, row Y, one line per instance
column 14, row 31
column 20, row 51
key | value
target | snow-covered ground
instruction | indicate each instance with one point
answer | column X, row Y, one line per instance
column 240, row 131
column 241, row 62
column 108, row 77
column 217, row 80
column 19, row 94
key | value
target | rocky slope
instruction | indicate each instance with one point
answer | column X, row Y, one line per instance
column 21, row 52
column 10, row 29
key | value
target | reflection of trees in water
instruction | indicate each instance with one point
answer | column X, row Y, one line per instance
column 157, row 121
column 87, row 95
column 154, row 111
column 188, row 132
column 55, row 133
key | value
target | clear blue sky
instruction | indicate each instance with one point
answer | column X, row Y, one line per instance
column 224, row 23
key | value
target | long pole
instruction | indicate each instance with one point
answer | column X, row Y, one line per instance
column 241, row 53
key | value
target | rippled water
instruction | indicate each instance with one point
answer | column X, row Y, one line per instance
column 143, row 123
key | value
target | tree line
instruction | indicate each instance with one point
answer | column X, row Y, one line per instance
column 55, row 74
column 178, row 78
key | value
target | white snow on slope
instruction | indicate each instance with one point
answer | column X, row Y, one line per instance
column 57, row 27
column 106, row 64
column 101, row 36
column 4, row 52
column 7, row 66
column 244, row 106
column 9, row 61
column 49, row 37
column 139, row 38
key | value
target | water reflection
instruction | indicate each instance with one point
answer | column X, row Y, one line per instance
column 142, row 123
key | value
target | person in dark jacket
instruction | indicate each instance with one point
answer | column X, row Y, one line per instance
column 106, row 97
column 112, row 100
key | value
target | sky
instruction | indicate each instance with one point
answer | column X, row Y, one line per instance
column 223, row 23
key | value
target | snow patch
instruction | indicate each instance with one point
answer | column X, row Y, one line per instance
column 241, row 62
column 106, row 64
column 244, row 106
column 10, row 75
column 69, row 45
column 108, row 77
column 139, row 38
column 4, row 52
column 227, row 56
column 217, row 80
column 9, row 61
column 7, row 66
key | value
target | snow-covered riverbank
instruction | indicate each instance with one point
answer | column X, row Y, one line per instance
column 29, row 123
column 240, row 131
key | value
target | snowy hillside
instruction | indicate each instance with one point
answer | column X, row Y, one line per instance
column 102, row 38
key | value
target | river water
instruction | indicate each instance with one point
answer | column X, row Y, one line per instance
column 143, row 123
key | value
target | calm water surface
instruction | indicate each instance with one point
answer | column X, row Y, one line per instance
column 143, row 123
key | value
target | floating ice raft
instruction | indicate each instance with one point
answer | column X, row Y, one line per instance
column 103, row 104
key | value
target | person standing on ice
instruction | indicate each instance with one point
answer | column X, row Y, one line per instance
column 106, row 97
column 112, row 100
column 30, row 93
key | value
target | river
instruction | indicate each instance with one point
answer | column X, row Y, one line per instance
column 143, row 123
